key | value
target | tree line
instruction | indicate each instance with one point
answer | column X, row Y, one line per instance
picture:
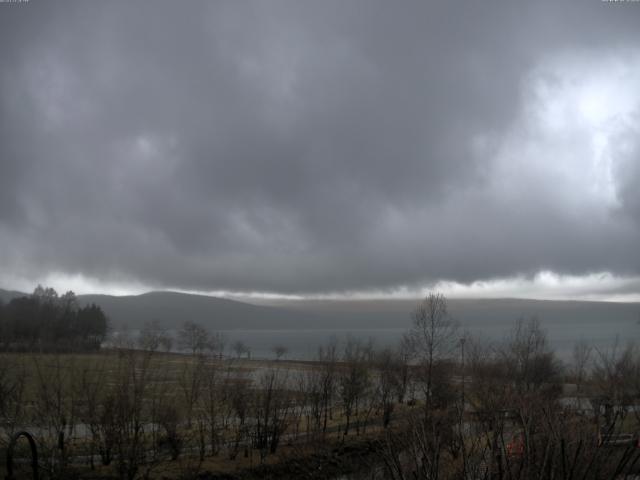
column 45, row 321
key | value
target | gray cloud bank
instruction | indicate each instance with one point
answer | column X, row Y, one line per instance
column 318, row 146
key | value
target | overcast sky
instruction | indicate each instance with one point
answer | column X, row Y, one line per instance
column 318, row 147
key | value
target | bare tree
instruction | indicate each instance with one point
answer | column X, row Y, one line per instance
column 580, row 361
column 92, row 396
column 238, row 400
column 217, row 343
column 400, row 364
column 211, row 404
column 279, row 351
column 125, row 412
column 310, row 390
column 240, row 348
column 191, row 381
column 353, row 380
column 168, row 418
column 56, row 406
column 271, row 411
column 193, row 338
column 385, row 383
column 432, row 337
column 153, row 337
column 613, row 374
column 13, row 383
column 531, row 360
column 327, row 357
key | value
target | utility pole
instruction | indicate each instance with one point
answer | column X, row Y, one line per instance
column 463, row 339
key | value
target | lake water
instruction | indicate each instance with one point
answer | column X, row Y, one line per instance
column 562, row 336
column 600, row 324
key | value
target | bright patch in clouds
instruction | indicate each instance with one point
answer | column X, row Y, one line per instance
column 545, row 285
column 574, row 111
column 549, row 285
column 598, row 93
column 80, row 284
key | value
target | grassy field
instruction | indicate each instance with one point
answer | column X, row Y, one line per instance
column 132, row 414
column 189, row 413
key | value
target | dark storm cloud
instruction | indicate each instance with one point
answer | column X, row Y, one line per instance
column 303, row 146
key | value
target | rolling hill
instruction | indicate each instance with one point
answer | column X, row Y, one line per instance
column 171, row 309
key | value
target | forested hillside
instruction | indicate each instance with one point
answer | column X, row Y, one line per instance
column 44, row 321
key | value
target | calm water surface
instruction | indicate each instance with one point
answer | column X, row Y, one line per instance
column 303, row 344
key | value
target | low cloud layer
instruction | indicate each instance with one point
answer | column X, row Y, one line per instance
column 314, row 147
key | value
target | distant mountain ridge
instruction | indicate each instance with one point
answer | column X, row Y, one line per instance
column 7, row 295
column 171, row 309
